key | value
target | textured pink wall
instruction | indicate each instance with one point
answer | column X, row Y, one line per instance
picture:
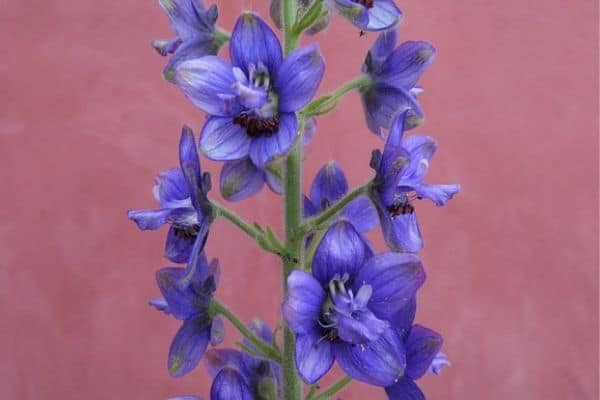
column 86, row 122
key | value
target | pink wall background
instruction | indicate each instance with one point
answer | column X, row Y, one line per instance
column 86, row 122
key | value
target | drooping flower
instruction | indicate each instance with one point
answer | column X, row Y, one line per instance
column 400, row 174
column 251, row 102
column 370, row 15
column 194, row 29
column 394, row 74
column 187, row 294
column 343, row 310
column 181, row 195
column 422, row 355
column 238, row 375
column 328, row 187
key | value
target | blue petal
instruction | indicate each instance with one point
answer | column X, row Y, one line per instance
column 404, row 389
column 190, row 165
column 329, row 186
column 178, row 247
column 274, row 183
column 299, row 78
column 308, row 208
column 406, row 64
column 188, row 50
column 356, row 13
column 360, row 326
column 310, row 129
column 189, row 345
column 181, row 301
column 382, row 102
column 395, row 279
column 439, row 362
column 164, row 47
column 342, row 250
column 362, row 214
column 222, row 140
column 217, row 331
column 439, row 194
column 160, row 304
column 208, row 82
column 422, row 345
column 402, row 320
column 314, row 356
column 154, row 219
column 218, row 359
column 230, row 385
column 303, row 304
column 240, row 179
column 401, row 233
column 265, row 148
column 184, row 16
column 383, row 15
column 377, row 363
column 379, row 52
column 171, row 190
column 253, row 42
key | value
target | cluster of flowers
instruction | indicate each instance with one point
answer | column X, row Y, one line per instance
column 343, row 301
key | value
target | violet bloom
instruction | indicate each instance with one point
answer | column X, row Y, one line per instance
column 394, row 74
column 370, row 15
column 240, row 376
column 422, row 355
column 251, row 102
column 401, row 170
column 181, row 194
column 194, row 29
column 343, row 310
column 328, row 187
column 187, row 293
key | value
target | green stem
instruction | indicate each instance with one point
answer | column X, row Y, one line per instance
column 328, row 102
column 221, row 36
column 216, row 308
column 322, row 219
column 310, row 252
column 339, row 385
column 289, row 15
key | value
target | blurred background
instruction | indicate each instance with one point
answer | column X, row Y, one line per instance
column 86, row 122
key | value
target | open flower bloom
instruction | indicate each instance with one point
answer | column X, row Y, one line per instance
column 187, row 293
column 370, row 15
column 423, row 355
column 238, row 375
column 343, row 310
column 401, row 170
column 194, row 29
column 394, row 74
column 251, row 102
column 181, row 194
column 328, row 187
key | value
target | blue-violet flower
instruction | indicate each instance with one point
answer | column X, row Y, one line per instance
column 370, row 15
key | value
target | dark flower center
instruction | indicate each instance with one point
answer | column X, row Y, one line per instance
column 366, row 3
column 257, row 127
column 187, row 232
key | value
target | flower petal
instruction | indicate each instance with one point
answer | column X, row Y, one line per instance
column 439, row 362
column 190, row 165
column 192, row 48
column 222, row 140
column 154, row 219
column 380, row 50
column 303, row 303
column 189, row 345
column 299, row 78
column 171, row 190
column 362, row 214
column 240, row 179
column 422, row 345
column 253, row 42
column 439, row 194
column 383, row 15
column 207, row 82
column 356, row 13
column 265, row 148
column 230, row 385
column 404, row 389
column 160, row 304
column 395, row 279
column 314, row 356
column 406, row 64
column 181, row 301
column 217, row 331
column 183, row 15
column 403, row 320
column 216, row 360
column 382, row 102
column 178, row 246
column 342, row 250
column 401, row 233
column 329, row 186
column 377, row 363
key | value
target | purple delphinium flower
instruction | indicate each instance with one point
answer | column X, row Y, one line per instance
column 400, row 172
column 194, row 29
column 181, row 194
column 343, row 310
column 241, row 179
column 251, row 102
column 423, row 355
column 238, row 375
column 394, row 74
column 187, row 293
column 329, row 186
column 370, row 15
